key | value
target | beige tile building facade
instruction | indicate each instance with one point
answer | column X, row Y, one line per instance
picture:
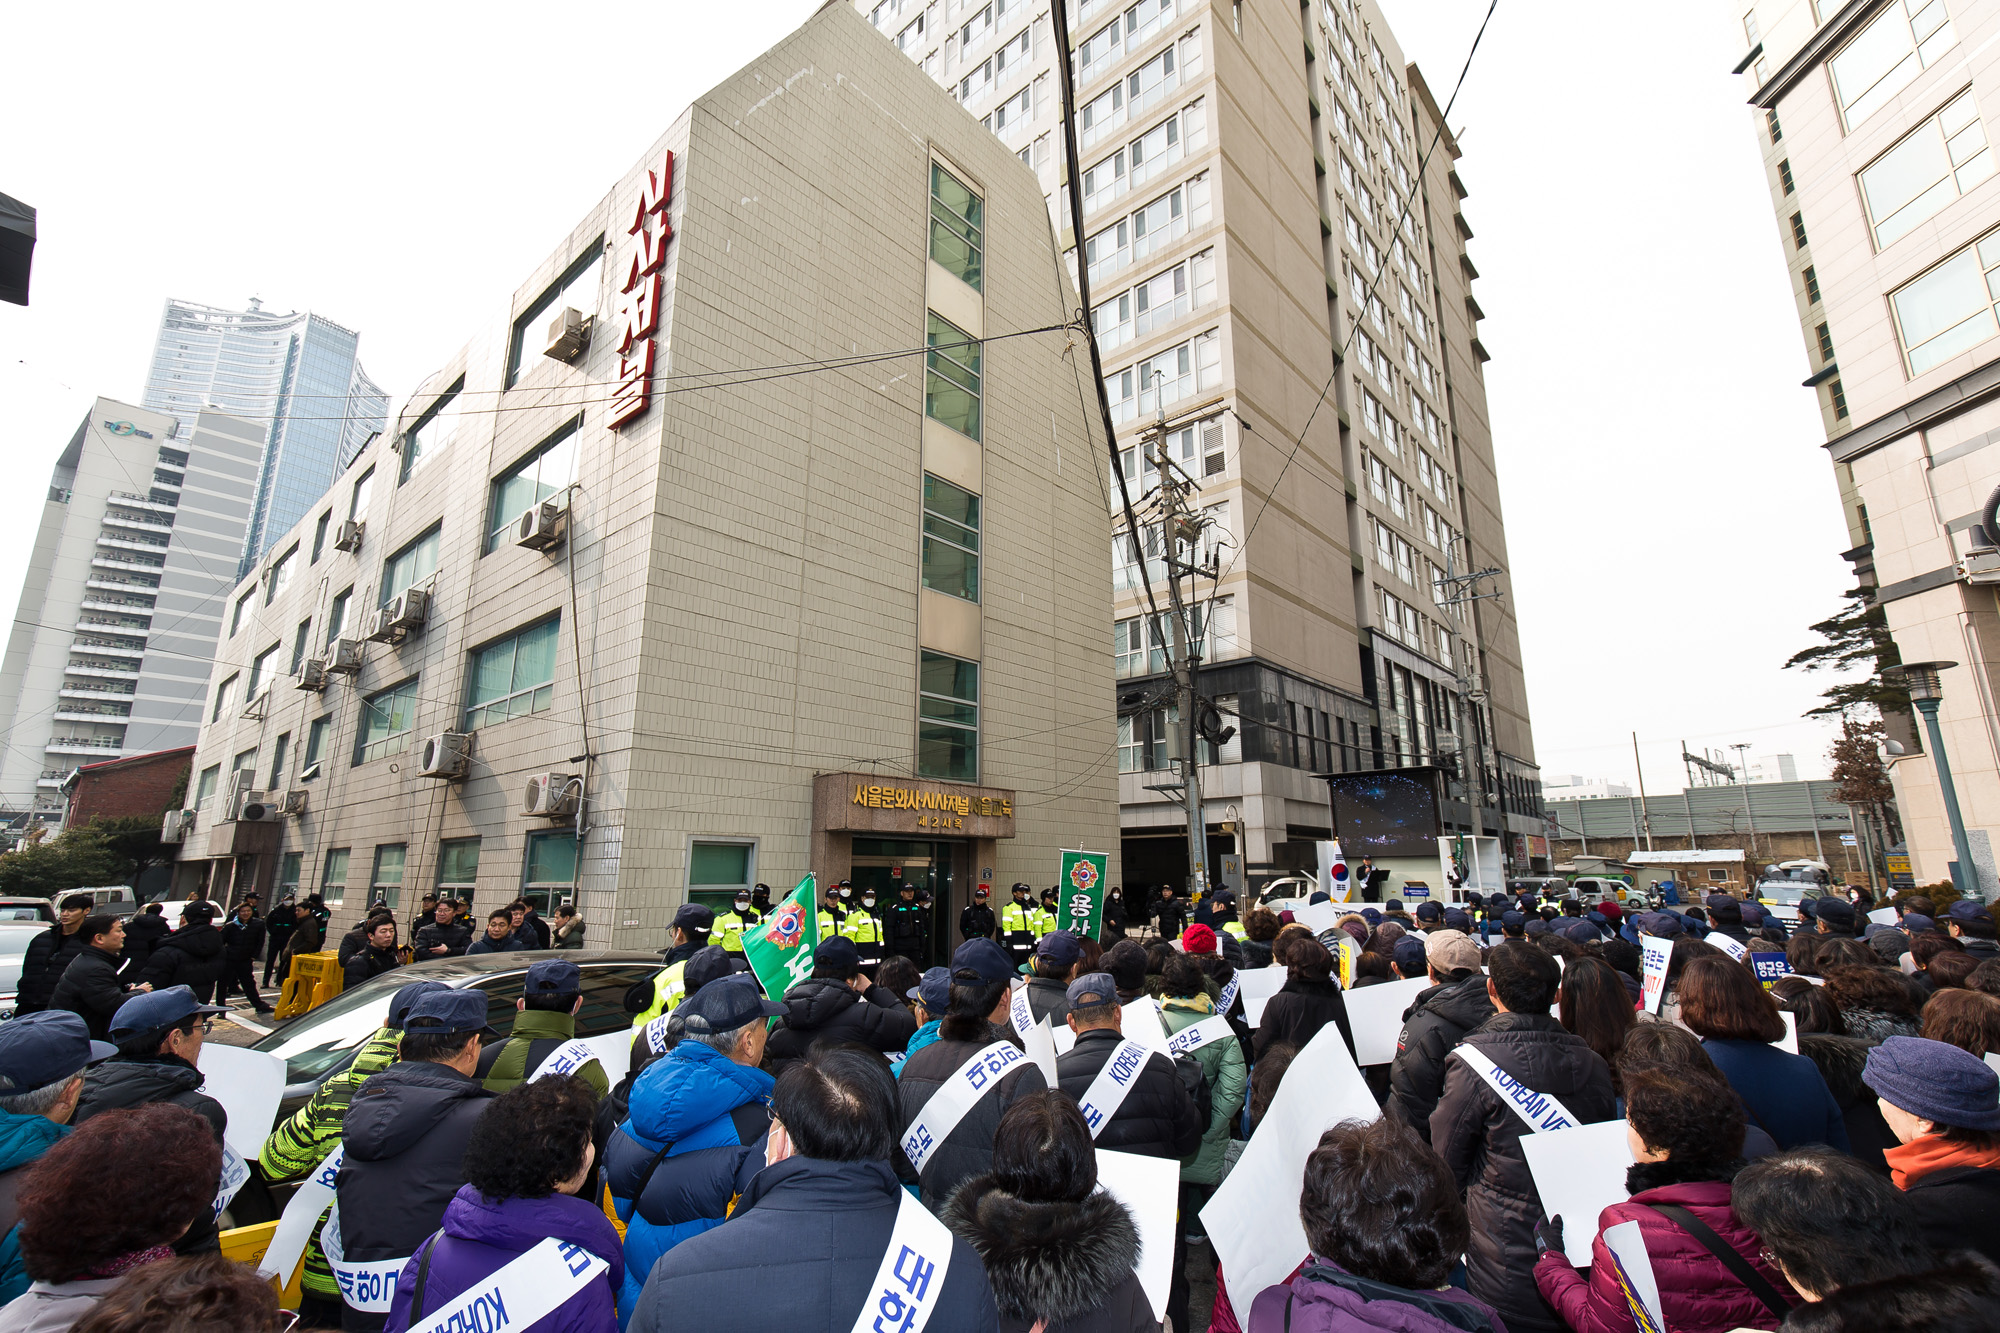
column 1873, row 117
column 802, row 598
column 1245, row 171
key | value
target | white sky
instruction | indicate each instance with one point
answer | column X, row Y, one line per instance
column 1673, row 524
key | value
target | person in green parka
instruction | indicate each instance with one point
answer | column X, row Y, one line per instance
column 544, row 1027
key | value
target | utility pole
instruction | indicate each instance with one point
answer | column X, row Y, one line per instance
column 1749, row 815
column 1645, row 817
column 1464, row 590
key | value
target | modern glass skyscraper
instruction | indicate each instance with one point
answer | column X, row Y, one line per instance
column 296, row 374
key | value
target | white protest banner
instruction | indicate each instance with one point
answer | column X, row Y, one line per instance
column 1908, row 964
column 1040, row 1044
column 1317, row 917
column 1065, row 1042
column 521, row 1292
column 1783, row 911
column 1883, row 916
column 1253, row 1217
column 614, row 1052
column 1579, row 1173
column 1150, row 1188
column 249, row 1084
column 1790, row 1041
column 1993, row 1061
column 567, row 1058
column 1736, row 949
column 1259, row 985
column 1141, row 1022
column 1635, row 1275
column 910, row 1279
column 1659, row 952
column 1376, row 1015
column 302, row 1213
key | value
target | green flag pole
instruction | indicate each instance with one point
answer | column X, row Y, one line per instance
column 780, row 947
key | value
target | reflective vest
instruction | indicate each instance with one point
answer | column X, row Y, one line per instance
column 1045, row 920
column 668, row 988
column 862, row 927
column 729, row 928
column 1018, row 919
column 829, row 924
column 1236, row 928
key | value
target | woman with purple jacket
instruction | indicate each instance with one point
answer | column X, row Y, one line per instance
column 530, row 1152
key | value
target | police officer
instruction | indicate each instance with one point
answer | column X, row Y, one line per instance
column 977, row 921
column 1018, row 925
column 830, row 911
column 1222, row 917
column 729, row 927
column 1046, row 918
column 864, row 927
column 760, row 901
column 649, row 999
column 909, row 926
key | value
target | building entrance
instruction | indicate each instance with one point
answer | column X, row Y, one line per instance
column 936, row 869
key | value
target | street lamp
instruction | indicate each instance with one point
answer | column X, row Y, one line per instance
column 1926, row 692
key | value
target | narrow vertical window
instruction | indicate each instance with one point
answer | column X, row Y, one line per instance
column 947, row 718
column 952, row 381
column 957, row 234
column 951, row 539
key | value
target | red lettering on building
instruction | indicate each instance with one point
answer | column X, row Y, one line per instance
column 644, row 288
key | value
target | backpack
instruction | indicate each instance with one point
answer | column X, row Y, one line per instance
column 1195, row 1079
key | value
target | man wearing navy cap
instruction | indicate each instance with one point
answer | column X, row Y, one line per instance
column 1056, row 956
column 928, row 999
column 42, row 1059
column 544, row 1025
column 689, row 933
column 1835, row 916
column 404, row 1137
column 1971, row 925
column 838, row 1002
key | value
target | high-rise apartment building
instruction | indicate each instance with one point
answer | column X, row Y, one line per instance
column 1871, row 118
column 659, row 590
column 123, row 598
column 297, row 375
column 1272, row 209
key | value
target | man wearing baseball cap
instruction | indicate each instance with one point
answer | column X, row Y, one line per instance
column 1054, row 966
column 977, row 921
column 1971, row 925
column 42, row 1059
column 838, row 1002
column 1017, row 924
column 405, row 1134
column 647, row 1000
column 1456, row 1005
column 928, row 999
column 544, row 1024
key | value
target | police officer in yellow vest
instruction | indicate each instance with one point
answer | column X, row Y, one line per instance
column 729, row 927
column 647, row 1000
column 864, row 927
column 830, row 912
column 1048, row 919
column 1223, row 915
column 1020, row 925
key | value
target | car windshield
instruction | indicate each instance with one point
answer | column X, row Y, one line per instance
column 14, row 939
column 1783, row 890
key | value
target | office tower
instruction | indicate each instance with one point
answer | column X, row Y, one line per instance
column 122, row 602
column 659, row 642
column 1872, row 124
column 297, row 375
column 1271, row 203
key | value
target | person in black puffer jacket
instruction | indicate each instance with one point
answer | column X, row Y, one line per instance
column 143, row 934
column 191, row 956
column 49, row 953
column 975, row 1017
column 90, row 987
column 1157, row 1118
column 1841, row 1060
column 1432, row 1026
column 1056, row 1249
column 839, row 1003
column 1309, row 1000
column 378, row 957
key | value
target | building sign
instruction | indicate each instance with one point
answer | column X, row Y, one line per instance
column 127, row 428
column 864, row 803
column 644, row 287
column 1899, row 872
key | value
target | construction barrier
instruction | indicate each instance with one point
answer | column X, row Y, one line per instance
column 315, row 978
column 246, row 1245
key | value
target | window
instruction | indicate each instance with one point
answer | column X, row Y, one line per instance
column 957, row 217
column 387, row 880
column 319, row 535
column 458, row 866
column 720, row 867
column 951, row 539
column 244, row 771
column 577, row 287
column 1785, row 176
column 315, row 745
column 1772, row 127
column 1931, row 166
column 1838, row 396
column 289, row 866
column 433, row 430
column 280, row 751
column 548, row 871
column 1750, row 28
column 952, row 377
column 236, row 616
column 333, row 879
column 1950, row 308
column 357, row 502
column 1825, row 343
column 205, row 788
column 281, row 575
column 410, row 566
column 1812, row 285
column 260, row 673
column 947, row 718
column 550, row 468
column 387, row 717
column 513, row 677
column 301, row 641
column 1142, row 740
column 223, row 694
column 1799, row 230
column 1902, row 42
column 336, row 616
column 1136, row 652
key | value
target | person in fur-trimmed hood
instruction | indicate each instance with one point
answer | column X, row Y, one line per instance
column 1058, row 1254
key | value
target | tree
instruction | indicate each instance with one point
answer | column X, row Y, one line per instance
column 1862, row 781
column 1855, row 638
column 104, row 851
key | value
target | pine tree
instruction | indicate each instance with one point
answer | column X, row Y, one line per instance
column 1857, row 637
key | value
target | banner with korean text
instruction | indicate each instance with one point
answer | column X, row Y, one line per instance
column 1080, row 906
column 780, row 948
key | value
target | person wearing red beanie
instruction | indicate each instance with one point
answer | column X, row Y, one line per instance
column 1198, row 940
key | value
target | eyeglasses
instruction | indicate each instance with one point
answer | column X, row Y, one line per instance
column 287, row 1321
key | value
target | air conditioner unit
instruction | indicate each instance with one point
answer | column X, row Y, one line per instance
column 550, row 795
column 569, row 335
column 292, row 803
column 258, row 807
column 176, row 826
column 542, row 526
column 446, row 755
column 349, row 539
column 312, row 676
column 239, row 786
column 343, row 657
column 402, row 617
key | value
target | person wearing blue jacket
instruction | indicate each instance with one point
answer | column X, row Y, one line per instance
column 929, row 998
column 42, row 1059
column 696, row 1130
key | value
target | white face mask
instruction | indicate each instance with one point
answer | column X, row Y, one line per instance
column 868, row 902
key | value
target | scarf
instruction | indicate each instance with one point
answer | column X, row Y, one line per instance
column 1931, row 1152
column 125, row 1263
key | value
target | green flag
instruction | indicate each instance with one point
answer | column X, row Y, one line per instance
column 1080, row 907
column 780, row 947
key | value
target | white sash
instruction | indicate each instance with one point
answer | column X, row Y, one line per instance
column 1197, row 1035
column 1229, row 993
column 955, row 1096
column 1107, row 1091
column 1541, row 1112
column 656, row 1035
column 363, row 1286
column 567, row 1059
column 526, row 1289
column 1734, row 948
column 235, row 1172
column 910, row 1279
column 1020, row 1011
column 301, row 1215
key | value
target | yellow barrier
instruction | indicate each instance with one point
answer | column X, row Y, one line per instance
column 246, row 1245
column 315, row 978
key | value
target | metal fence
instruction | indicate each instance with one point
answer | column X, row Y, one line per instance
column 1728, row 812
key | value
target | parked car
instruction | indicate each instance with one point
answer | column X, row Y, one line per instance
column 15, row 935
column 28, row 909
column 112, row 900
